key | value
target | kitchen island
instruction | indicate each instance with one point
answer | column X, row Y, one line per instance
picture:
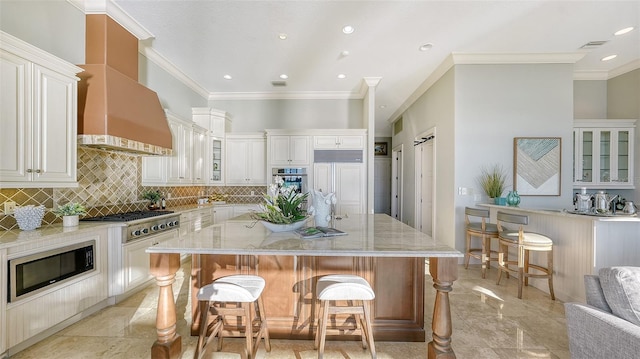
column 582, row 244
column 388, row 253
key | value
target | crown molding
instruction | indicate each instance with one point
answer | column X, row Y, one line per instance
column 328, row 95
column 517, row 58
column 628, row 67
column 172, row 69
column 590, row 75
column 115, row 12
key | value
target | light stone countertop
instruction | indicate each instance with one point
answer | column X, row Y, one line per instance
column 620, row 217
column 373, row 235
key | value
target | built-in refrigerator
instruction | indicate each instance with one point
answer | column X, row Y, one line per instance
column 341, row 172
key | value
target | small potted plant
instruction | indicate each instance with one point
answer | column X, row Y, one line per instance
column 153, row 197
column 492, row 180
column 70, row 213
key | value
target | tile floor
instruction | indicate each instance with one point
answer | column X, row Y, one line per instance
column 489, row 321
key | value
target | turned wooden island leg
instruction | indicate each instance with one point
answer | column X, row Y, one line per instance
column 164, row 266
column 444, row 271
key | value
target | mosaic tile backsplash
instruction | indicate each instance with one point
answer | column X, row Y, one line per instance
column 111, row 182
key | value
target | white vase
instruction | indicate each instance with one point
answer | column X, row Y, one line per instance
column 321, row 207
column 70, row 221
column 274, row 227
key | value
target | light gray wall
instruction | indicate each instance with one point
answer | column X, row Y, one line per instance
column 53, row 26
column 623, row 95
column 589, row 99
column 256, row 115
column 174, row 95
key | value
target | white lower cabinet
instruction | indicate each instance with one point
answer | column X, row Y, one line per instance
column 41, row 314
column 135, row 260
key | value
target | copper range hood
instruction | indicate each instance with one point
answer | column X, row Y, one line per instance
column 115, row 111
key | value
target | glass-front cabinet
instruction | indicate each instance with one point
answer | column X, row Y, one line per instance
column 603, row 153
column 216, row 160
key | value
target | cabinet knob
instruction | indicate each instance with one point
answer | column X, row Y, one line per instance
column 39, row 171
column 29, row 170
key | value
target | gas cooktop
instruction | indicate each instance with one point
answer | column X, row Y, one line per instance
column 128, row 216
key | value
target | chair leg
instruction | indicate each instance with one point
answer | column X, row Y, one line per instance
column 501, row 262
column 520, row 281
column 248, row 329
column 526, row 268
column 550, row 268
column 484, row 257
column 323, row 330
column 263, row 325
column 467, row 254
column 204, row 317
column 369, row 330
column 319, row 327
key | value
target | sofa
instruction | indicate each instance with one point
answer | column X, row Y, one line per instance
column 608, row 326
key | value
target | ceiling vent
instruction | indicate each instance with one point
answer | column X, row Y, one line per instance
column 278, row 83
column 593, row 44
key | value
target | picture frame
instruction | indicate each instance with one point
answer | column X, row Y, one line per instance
column 380, row 149
column 537, row 166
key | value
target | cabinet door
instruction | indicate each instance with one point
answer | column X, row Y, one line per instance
column 624, row 157
column 325, row 142
column 200, row 144
column 175, row 174
column 136, row 263
column 216, row 161
column 154, row 170
column 322, row 181
column 15, row 142
column 584, row 156
column 350, row 186
column 237, row 157
column 256, row 165
column 351, row 142
column 54, row 130
column 279, row 148
column 299, row 150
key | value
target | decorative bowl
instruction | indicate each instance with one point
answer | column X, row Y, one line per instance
column 274, row 227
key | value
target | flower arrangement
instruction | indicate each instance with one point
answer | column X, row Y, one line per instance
column 70, row 209
column 492, row 180
column 282, row 204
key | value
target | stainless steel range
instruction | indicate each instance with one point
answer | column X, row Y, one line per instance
column 129, row 237
column 140, row 224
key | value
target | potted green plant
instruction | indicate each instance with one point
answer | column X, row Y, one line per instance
column 492, row 180
column 153, row 197
column 70, row 213
column 282, row 209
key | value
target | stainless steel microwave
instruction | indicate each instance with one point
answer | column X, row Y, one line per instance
column 34, row 273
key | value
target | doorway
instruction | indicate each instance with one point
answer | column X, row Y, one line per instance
column 396, row 183
column 425, row 182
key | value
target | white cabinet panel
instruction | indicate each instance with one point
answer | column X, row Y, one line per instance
column 246, row 160
column 222, row 213
column 289, row 150
column 346, row 180
column 38, row 116
column 345, row 142
column 200, row 143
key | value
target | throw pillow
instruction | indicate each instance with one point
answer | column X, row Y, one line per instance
column 621, row 287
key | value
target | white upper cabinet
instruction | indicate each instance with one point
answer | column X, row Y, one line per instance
column 603, row 153
column 186, row 166
column 289, row 150
column 246, row 160
column 217, row 123
column 345, row 142
column 38, row 117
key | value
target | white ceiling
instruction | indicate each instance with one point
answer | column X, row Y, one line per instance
column 208, row 39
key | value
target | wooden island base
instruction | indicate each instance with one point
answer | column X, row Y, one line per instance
column 291, row 306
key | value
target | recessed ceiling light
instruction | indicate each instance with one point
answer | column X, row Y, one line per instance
column 348, row 29
column 623, row 31
column 342, row 76
column 383, row 106
column 282, row 36
column 344, row 53
column 284, row 76
column 610, row 57
column 426, row 47
column 227, row 77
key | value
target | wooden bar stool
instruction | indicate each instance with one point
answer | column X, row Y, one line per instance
column 245, row 290
column 345, row 287
column 524, row 243
column 484, row 230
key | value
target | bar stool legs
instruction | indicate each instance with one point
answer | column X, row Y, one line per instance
column 245, row 290
column 358, row 294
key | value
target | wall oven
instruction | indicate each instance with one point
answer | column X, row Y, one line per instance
column 31, row 274
column 292, row 177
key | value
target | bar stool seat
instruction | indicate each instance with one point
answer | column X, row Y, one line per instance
column 345, row 287
column 245, row 290
column 524, row 242
column 485, row 231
